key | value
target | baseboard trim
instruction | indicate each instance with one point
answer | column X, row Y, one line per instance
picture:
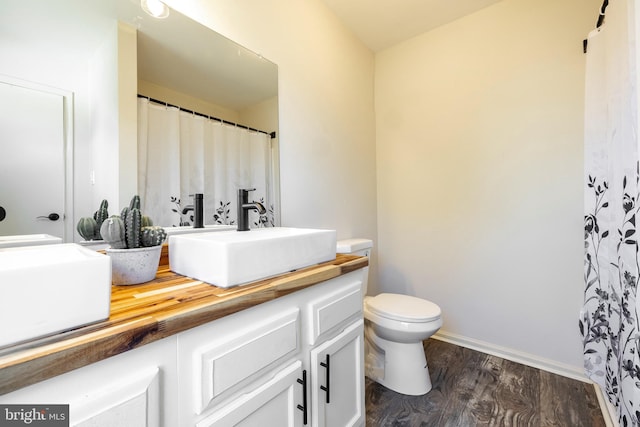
column 514, row 355
column 608, row 413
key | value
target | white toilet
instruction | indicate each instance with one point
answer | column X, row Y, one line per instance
column 395, row 327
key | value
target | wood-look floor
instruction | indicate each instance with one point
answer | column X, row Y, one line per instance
column 476, row 389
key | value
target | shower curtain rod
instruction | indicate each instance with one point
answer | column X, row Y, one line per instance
column 166, row 104
column 599, row 23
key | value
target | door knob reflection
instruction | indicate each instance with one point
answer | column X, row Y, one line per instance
column 51, row 217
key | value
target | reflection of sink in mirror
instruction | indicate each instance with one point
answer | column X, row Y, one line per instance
column 95, row 245
column 230, row 258
column 187, row 229
column 51, row 288
column 99, row 245
column 28, row 240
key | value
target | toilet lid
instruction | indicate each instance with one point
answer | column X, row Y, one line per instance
column 403, row 308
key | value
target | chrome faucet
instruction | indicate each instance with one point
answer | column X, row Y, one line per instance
column 244, row 207
column 198, row 210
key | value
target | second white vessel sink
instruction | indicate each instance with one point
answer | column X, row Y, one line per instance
column 229, row 258
column 188, row 229
column 28, row 240
column 51, row 288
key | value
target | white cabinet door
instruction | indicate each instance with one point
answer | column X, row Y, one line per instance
column 133, row 400
column 274, row 403
column 135, row 388
column 337, row 380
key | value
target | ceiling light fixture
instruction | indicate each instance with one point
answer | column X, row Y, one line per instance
column 155, row 8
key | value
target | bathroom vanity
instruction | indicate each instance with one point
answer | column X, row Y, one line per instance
column 284, row 351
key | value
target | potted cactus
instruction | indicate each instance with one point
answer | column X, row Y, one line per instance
column 135, row 245
column 89, row 227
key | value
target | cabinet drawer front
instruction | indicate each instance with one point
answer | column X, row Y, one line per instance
column 272, row 403
column 335, row 309
column 233, row 361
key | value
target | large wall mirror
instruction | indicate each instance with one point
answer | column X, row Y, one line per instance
column 98, row 64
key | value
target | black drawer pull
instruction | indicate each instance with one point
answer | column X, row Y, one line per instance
column 303, row 407
column 326, row 388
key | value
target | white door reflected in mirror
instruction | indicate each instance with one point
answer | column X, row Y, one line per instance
column 32, row 173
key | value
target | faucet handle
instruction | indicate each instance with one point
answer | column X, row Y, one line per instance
column 243, row 194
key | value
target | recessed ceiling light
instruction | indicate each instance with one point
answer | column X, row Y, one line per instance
column 155, row 8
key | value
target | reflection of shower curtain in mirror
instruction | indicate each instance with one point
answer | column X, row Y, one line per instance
column 180, row 154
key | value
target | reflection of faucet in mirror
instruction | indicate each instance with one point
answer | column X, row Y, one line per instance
column 244, row 207
column 198, row 210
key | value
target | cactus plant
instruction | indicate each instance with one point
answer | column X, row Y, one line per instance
column 102, row 213
column 152, row 236
column 133, row 224
column 89, row 227
column 129, row 230
column 135, row 202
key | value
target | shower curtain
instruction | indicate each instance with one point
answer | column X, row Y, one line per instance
column 610, row 320
column 180, row 154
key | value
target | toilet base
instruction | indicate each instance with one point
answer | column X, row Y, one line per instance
column 401, row 367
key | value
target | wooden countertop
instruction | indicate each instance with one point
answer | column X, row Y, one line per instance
column 145, row 313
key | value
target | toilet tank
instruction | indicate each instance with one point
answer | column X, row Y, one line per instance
column 361, row 247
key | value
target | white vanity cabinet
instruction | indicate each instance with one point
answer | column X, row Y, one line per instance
column 135, row 388
column 264, row 366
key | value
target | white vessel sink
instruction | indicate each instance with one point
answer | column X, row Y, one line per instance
column 28, row 240
column 51, row 288
column 188, row 229
column 230, row 258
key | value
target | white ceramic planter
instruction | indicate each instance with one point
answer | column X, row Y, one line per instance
column 134, row 266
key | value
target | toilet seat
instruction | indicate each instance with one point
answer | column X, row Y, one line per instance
column 403, row 308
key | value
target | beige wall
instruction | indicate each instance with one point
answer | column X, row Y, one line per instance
column 479, row 143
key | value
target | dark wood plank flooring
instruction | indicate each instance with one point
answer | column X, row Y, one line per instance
column 476, row 389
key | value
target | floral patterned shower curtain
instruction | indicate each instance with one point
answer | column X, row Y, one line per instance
column 610, row 317
column 180, row 154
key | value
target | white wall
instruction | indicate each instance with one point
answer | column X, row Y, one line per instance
column 103, row 113
column 114, row 121
column 325, row 81
column 127, row 126
column 479, row 143
column 38, row 57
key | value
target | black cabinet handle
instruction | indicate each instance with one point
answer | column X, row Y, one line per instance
column 303, row 407
column 326, row 388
